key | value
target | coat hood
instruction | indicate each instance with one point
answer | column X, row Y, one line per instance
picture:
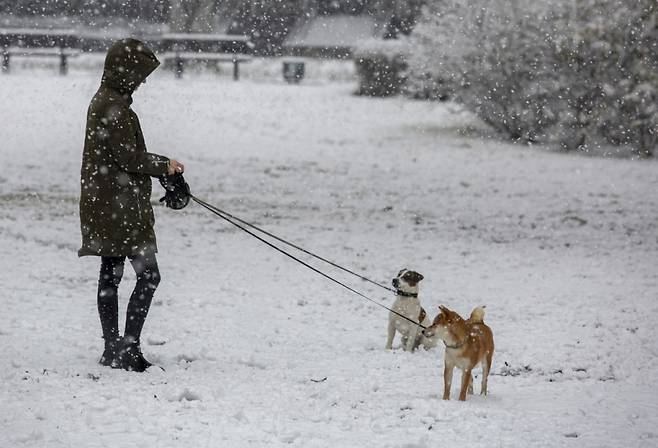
column 127, row 64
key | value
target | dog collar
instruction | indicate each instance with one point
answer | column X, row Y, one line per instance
column 456, row 345
column 405, row 294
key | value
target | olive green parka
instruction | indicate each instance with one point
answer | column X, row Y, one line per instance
column 116, row 217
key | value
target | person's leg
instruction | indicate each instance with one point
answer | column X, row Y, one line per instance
column 108, row 305
column 148, row 278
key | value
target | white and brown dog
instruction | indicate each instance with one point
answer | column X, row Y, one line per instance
column 468, row 343
column 408, row 305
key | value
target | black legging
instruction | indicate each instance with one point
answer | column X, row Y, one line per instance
column 148, row 278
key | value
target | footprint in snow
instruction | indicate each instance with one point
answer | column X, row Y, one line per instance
column 185, row 395
column 289, row 437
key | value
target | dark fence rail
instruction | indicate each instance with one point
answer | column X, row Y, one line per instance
column 207, row 43
column 90, row 42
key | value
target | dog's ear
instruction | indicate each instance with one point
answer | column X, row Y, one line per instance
column 444, row 310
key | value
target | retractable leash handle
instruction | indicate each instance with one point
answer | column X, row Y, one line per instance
column 177, row 191
column 222, row 214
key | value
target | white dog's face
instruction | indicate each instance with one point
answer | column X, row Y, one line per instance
column 407, row 281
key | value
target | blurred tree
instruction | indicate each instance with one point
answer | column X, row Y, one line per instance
column 267, row 22
column 192, row 16
column 145, row 10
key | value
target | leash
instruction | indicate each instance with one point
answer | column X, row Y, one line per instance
column 231, row 219
column 294, row 246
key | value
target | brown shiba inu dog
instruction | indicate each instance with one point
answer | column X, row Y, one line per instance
column 468, row 343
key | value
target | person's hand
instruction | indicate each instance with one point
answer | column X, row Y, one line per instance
column 175, row 167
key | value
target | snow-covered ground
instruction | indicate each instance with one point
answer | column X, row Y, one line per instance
column 561, row 248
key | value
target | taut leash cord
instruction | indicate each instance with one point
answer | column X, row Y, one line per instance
column 294, row 246
column 229, row 218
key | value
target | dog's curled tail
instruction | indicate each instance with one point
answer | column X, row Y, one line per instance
column 477, row 315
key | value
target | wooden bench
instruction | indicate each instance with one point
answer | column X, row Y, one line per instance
column 180, row 57
column 62, row 53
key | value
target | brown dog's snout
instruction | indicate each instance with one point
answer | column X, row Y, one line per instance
column 396, row 282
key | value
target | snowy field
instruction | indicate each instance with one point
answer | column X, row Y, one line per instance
column 562, row 249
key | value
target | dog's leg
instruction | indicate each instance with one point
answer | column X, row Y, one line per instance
column 428, row 343
column 486, row 368
column 447, row 380
column 412, row 337
column 466, row 379
column 470, row 385
column 391, row 334
column 421, row 340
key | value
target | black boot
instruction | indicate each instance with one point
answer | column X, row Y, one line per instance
column 108, row 307
column 130, row 357
column 148, row 277
column 109, row 358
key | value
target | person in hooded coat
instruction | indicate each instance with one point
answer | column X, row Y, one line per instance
column 116, row 217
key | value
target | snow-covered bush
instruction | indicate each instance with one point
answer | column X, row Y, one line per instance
column 440, row 39
column 607, row 57
column 426, row 86
column 489, row 56
column 580, row 72
column 509, row 84
column 380, row 66
column 631, row 115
